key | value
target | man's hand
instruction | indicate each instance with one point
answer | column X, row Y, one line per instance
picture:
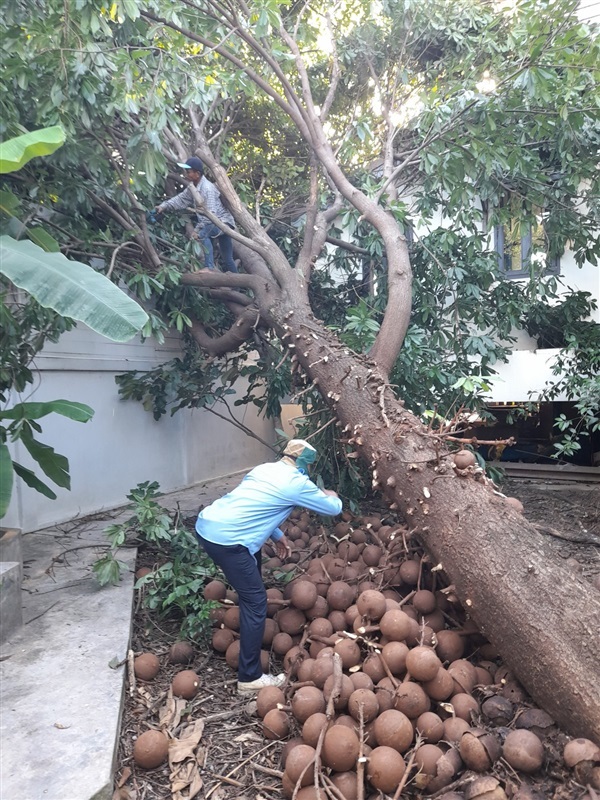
column 330, row 492
column 283, row 548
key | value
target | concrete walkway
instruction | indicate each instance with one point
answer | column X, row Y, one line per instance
column 60, row 700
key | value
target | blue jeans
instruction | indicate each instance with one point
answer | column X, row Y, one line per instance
column 206, row 234
column 243, row 571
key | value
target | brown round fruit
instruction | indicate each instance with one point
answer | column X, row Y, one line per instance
column 340, row 596
column 311, row 730
column 427, row 758
column 450, row 646
column 464, row 706
column 523, row 751
column 307, row 700
column 282, row 642
column 371, row 604
column 479, row 749
column 276, row 724
column 464, row 459
column 441, row 687
column 146, row 667
column 394, row 654
column 366, row 700
column 385, row 768
column 215, row 590
column 340, row 748
column 578, row 750
column 349, row 652
column 142, row 572
column 409, row 572
column 346, row 783
column 424, row 601
column 395, row 625
column 181, row 653
column 431, row 727
column 422, row 663
column 291, row 620
column 268, row 699
column 232, row 654
column 185, row 684
column 303, row 595
column 411, row 700
column 221, row 639
column 150, row 749
column 393, row 729
column 299, row 765
column 373, row 667
column 454, row 727
column 231, row 619
column 347, row 688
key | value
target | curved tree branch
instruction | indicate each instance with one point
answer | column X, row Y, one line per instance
column 230, row 341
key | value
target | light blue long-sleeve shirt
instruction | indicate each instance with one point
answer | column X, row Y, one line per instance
column 252, row 512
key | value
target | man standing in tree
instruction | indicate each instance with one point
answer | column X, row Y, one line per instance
column 205, row 230
column 233, row 529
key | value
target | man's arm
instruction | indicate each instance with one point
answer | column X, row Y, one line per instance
column 281, row 544
column 180, row 202
column 322, row 501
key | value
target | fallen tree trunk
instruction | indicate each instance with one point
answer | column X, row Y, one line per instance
column 543, row 619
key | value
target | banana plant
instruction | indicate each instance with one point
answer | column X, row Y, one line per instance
column 70, row 288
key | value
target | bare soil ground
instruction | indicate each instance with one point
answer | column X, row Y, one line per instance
column 227, row 757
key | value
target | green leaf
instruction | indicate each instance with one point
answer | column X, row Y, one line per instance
column 76, row 411
column 15, row 153
column 6, row 479
column 31, row 479
column 53, row 464
column 72, row 289
column 9, row 203
column 108, row 570
column 43, row 239
column 131, row 9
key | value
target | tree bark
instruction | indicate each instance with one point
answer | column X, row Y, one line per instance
column 544, row 620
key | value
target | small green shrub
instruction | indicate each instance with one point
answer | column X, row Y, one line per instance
column 175, row 587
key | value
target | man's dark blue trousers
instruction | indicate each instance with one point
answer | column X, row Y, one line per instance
column 243, row 571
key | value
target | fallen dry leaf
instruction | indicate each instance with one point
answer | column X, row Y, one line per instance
column 185, row 745
column 125, row 775
column 124, row 793
column 248, row 737
column 169, row 715
column 185, row 775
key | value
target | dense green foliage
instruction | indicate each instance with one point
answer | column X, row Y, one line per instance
column 480, row 114
column 174, row 585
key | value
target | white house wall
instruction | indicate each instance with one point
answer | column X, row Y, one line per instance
column 122, row 445
column 528, row 369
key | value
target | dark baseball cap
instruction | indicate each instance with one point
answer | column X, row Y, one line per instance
column 192, row 163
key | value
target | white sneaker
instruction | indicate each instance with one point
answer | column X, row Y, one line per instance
column 252, row 687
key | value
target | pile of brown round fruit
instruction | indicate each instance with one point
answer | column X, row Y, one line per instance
column 388, row 681
column 151, row 747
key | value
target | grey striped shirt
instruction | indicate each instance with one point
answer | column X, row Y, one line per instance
column 212, row 199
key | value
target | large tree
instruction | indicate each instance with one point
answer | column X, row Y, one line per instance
column 323, row 124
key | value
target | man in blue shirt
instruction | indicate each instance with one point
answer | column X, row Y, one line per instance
column 233, row 529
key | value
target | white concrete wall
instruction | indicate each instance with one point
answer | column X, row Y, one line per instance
column 528, row 369
column 122, row 445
